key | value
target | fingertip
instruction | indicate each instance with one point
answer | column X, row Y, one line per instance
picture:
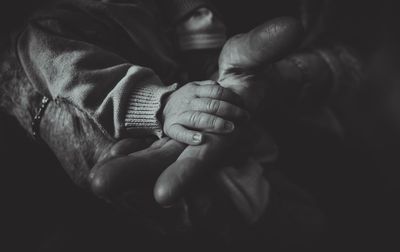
column 162, row 196
column 100, row 185
column 228, row 126
column 197, row 138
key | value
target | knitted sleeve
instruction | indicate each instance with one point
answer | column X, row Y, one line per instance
column 101, row 58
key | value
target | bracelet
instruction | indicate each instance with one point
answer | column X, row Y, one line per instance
column 38, row 118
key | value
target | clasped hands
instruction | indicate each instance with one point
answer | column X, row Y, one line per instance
column 200, row 120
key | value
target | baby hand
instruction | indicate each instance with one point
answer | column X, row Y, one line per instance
column 201, row 107
column 239, row 68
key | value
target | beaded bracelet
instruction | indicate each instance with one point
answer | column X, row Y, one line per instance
column 38, row 118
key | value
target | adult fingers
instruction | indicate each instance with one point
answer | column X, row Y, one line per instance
column 133, row 172
column 162, row 149
column 127, row 146
column 220, row 108
column 275, row 38
column 191, row 166
column 176, row 179
column 265, row 43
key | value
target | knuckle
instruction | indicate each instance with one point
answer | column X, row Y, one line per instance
column 194, row 118
column 180, row 135
column 171, row 130
column 217, row 91
column 184, row 136
column 213, row 106
column 191, row 86
column 212, row 121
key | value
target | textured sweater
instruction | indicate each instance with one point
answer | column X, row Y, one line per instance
column 110, row 59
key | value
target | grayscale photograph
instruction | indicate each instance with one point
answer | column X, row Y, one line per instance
column 200, row 125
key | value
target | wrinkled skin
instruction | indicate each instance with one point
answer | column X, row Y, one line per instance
column 281, row 37
column 241, row 69
column 186, row 166
column 133, row 165
column 79, row 145
column 117, row 172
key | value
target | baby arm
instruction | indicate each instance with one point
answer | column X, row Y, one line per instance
column 115, row 92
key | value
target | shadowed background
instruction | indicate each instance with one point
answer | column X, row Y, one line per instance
column 354, row 182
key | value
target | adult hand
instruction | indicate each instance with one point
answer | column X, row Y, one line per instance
column 239, row 60
column 245, row 57
column 132, row 167
column 127, row 179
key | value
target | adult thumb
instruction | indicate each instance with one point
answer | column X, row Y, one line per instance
column 133, row 172
column 262, row 45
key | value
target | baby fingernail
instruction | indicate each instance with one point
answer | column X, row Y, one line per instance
column 229, row 126
column 197, row 138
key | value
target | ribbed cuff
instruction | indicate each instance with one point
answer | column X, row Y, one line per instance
column 144, row 104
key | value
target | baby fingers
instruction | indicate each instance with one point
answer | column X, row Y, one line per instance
column 220, row 108
column 205, row 122
column 184, row 129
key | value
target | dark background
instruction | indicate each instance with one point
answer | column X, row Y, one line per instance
column 355, row 183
